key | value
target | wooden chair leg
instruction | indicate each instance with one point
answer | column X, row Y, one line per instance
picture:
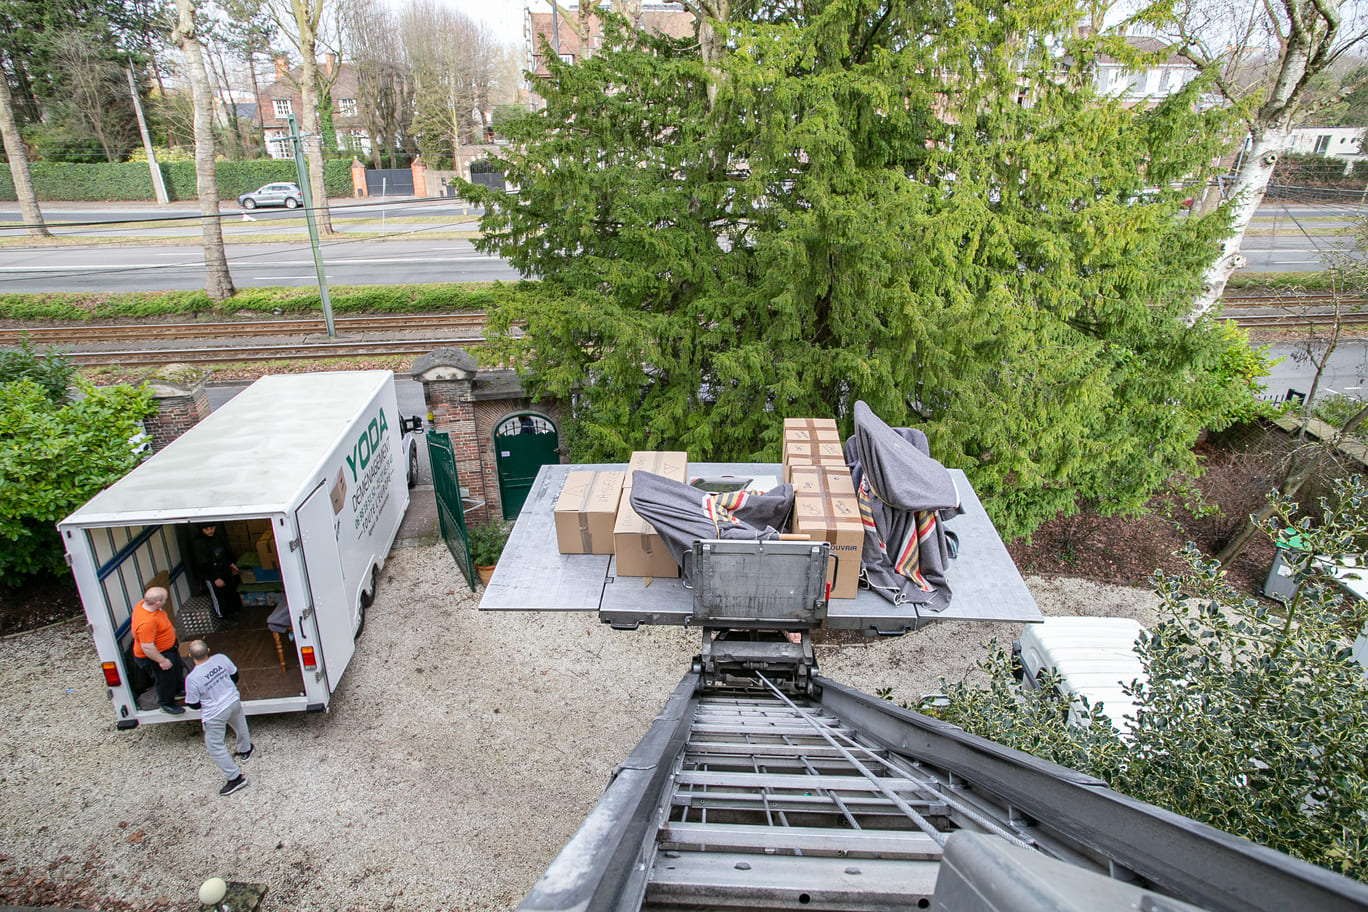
column 280, row 652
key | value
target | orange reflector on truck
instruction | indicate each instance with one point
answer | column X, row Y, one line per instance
column 111, row 673
column 307, row 654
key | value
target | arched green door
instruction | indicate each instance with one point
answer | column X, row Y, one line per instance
column 523, row 443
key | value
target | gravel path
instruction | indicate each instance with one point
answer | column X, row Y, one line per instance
column 462, row 750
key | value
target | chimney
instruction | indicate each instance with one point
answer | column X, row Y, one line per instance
column 329, row 62
column 282, row 67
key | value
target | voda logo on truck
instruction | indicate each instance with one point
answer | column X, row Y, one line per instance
column 371, row 463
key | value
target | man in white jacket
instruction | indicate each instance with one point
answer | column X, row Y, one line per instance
column 211, row 687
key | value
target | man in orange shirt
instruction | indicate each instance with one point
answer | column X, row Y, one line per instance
column 155, row 650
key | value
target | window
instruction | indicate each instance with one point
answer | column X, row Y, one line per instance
column 346, row 107
column 1322, row 144
column 282, row 107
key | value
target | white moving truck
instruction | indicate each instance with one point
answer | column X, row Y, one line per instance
column 1094, row 658
column 307, row 475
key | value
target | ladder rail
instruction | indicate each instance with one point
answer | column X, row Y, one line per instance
column 1179, row 856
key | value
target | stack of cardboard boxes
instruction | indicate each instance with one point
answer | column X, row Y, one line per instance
column 594, row 515
column 824, row 503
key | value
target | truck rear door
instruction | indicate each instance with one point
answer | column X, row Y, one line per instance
column 333, row 614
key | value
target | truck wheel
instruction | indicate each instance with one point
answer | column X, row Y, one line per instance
column 367, row 597
column 413, row 466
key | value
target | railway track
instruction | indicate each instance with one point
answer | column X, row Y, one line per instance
column 302, row 338
column 78, row 333
column 231, row 354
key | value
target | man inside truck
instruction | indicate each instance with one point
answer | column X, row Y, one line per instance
column 218, row 573
column 154, row 648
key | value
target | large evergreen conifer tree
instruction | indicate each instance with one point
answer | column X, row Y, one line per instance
column 924, row 206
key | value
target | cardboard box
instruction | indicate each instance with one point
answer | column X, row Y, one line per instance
column 586, row 512
column 266, row 550
column 831, row 514
column 639, row 550
column 672, row 464
column 638, row 547
column 809, row 425
column 825, row 455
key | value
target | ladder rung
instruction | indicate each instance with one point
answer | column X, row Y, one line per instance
column 908, row 844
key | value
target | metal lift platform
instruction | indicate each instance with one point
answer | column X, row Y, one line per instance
column 763, row 786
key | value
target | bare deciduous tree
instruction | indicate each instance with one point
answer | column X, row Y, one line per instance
column 218, row 284
column 96, row 91
column 455, row 64
column 384, row 80
column 299, row 20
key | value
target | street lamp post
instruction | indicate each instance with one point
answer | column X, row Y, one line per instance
column 307, row 193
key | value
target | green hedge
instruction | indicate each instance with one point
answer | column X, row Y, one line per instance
column 62, row 181
column 431, row 298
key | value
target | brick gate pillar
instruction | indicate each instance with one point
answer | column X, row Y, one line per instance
column 358, row 176
column 448, row 378
column 178, row 390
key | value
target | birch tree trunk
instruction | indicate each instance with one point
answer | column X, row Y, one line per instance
column 712, row 16
column 218, row 284
column 19, row 169
column 1305, row 36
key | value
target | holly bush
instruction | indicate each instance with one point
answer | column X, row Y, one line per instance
column 1253, row 717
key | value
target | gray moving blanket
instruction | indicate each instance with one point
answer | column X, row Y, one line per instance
column 905, row 497
column 683, row 514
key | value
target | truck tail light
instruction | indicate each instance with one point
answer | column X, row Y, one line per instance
column 111, row 673
column 307, row 654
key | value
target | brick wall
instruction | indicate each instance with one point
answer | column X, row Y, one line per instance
column 450, row 397
column 182, row 402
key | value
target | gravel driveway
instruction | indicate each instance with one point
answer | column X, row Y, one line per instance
column 462, row 750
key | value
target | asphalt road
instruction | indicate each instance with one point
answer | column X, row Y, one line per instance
column 149, row 268
column 162, row 251
column 1346, row 372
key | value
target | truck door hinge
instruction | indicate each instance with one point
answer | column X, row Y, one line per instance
column 306, row 613
column 318, row 676
column 294, row 544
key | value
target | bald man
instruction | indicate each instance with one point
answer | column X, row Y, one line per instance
column 155, row 650
column 212, row 689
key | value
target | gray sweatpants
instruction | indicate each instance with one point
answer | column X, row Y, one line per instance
column 215, row 731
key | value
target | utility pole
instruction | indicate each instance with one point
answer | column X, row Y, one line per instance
column 304, row 190
column 157, row 184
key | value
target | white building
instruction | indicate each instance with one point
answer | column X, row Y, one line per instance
column 1333, row 142
column 1148, row 86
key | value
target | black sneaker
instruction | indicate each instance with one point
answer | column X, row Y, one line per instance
column 172, row 709
column 232, row 785
column 246, row 755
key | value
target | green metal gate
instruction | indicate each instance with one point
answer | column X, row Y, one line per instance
column 523, row 443
column 450, row 510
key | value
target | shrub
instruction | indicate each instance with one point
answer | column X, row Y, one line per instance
column 52, row 373
column 486, row 541
column 56, row 457
column 1253, row 719
column 64, row 181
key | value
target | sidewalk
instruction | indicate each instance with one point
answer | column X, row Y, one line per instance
column 420, row 521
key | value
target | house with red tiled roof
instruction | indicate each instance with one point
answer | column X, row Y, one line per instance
column 282, row 97
column 561, row 34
